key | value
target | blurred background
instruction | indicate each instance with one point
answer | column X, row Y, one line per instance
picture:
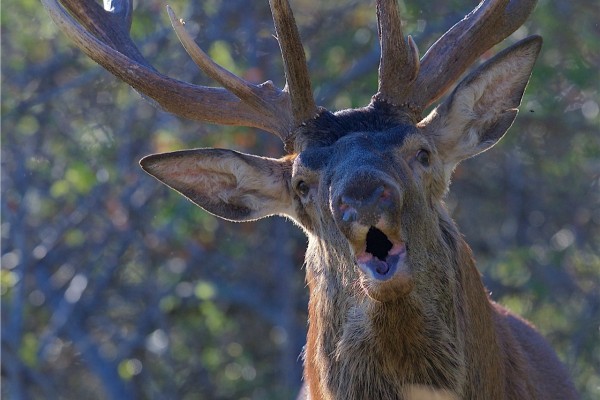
column 114, row 287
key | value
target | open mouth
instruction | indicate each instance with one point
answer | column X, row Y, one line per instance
column 381, row 256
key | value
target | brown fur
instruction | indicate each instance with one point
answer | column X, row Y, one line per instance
column 360, row 349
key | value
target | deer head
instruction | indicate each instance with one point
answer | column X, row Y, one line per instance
column 393, row 291
column 365, row 184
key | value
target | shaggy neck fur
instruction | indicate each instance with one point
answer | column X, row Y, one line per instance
column 394, row 350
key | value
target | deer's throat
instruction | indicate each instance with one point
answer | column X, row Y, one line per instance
column 378, row 348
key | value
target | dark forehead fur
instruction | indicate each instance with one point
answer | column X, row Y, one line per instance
column 319, row 137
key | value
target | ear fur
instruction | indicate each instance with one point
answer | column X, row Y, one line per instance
column 231, row 185
column 483, row 105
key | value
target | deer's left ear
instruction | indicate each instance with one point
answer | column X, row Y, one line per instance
column 483, row 105
column 231, row 185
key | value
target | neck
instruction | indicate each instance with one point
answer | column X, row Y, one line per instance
column 389, row 350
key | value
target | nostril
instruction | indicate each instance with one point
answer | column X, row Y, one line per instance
column 366, row 203
column 349, row 214
column 385, row 194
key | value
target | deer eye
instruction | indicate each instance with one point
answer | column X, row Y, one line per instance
column 423, row 157
column 302, row 188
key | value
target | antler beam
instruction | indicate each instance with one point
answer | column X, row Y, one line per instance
column 103, row 34
column 294, row 61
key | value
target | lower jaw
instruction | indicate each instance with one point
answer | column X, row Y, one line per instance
column 400, row 285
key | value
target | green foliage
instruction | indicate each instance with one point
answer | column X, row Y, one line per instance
column 114, row 287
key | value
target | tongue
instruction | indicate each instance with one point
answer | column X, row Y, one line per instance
column 380, row 269
column 380, row 266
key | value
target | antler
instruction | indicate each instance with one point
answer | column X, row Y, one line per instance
column 415, row 87
column 294, row 61
column 103, row 34
column 399, row 60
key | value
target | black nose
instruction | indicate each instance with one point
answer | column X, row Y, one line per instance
column 364, row 202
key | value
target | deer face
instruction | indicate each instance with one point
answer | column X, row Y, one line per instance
column 352, row 194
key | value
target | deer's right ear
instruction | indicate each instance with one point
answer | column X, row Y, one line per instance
column 226, row 183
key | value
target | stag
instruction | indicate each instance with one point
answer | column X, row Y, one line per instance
column 397, row 308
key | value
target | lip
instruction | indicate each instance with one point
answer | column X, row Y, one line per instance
column 382, row 268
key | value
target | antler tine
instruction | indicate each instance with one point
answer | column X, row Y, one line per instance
column 487, row 25
column 104, row 36
column 399, row 61
column 294, row 62
column 244, row 90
